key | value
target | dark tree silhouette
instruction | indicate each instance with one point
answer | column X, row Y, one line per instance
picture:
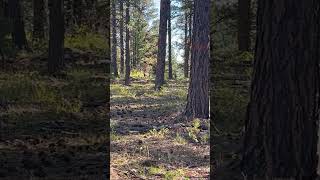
column 56, row 36
column 114, row 40
column 16, row 17
column 244, row 25
column 160, row 67
column 38, row 19
column 121, row 27
column 198, row 94
column 282, row 117
column 127, row 75
column 169, row 43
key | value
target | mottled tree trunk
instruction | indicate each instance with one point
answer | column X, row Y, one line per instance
column 186, row 47
column 38, row 20
column 127, row 75
column 160, row 68
column 282, row 117
column 56, row 36
column 114, row 40
column 244, row 25
column 169, row 42
column 198, row 94
column 121, row 27
column 18, row 34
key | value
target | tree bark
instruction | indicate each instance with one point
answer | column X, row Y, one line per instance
column 56, row 36
column 169, row 42
column 121, row 27
column 160, row 68
column 282, row 117
column 244, row 24
column 114, row 40
column 18, row 34
column 186, row 47
column 127, row 75
column 198, row 94
column 38, row 20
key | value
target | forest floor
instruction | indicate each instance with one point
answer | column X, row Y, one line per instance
column 150, row 138
column 53, row 127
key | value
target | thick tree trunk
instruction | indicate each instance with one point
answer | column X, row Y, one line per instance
column 190, row 35
column 114, row 40
column 18, row 34
column 56, row 37
column 244, row 25
column 121, row 27
column 186, row 47
column 127, row 75
column 198, row 94
column 169, row 42
column 282, row 118
column 38, row 20
column 160, row 68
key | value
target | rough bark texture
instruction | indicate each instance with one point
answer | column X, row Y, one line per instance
column 56, row 36
column 198, row 94
column 160, row 68
column 18, row 34
column 282, row 118
column 127, row 75
column 121, row 38
column 244, row 25
column 114, row 40
column 38, row 19
column 190, row 35
column 186, row 47
column 169, row 42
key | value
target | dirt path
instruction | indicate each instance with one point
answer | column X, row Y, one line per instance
column 151, row 138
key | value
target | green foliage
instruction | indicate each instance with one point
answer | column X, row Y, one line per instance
column 137, row 74
column 194, row 130
column 85, row 40
column 230, row 107
column 162, row 133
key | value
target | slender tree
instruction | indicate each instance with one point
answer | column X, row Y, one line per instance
column 244, row 24
column 16, row 17
column 169, row 42
column 121, row 27
column 160, row 68
column 127, row 74
column 198, row 98
column 56, row 36
column 114, row 39
column 283, row 112
column 38, row 20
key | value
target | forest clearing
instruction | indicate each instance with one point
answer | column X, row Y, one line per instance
column 150, row 139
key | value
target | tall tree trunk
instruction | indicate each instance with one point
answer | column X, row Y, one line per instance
column 198, row 94
column 121, row 27
column 244, row 24
column 127, row 75
column 169, row 42
column 18, row 34
column 281, row 125
column 114, row 40
column 38, row 20
column 186, row 47
column 160, row 68
column 190, row 34
column 56, row 36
